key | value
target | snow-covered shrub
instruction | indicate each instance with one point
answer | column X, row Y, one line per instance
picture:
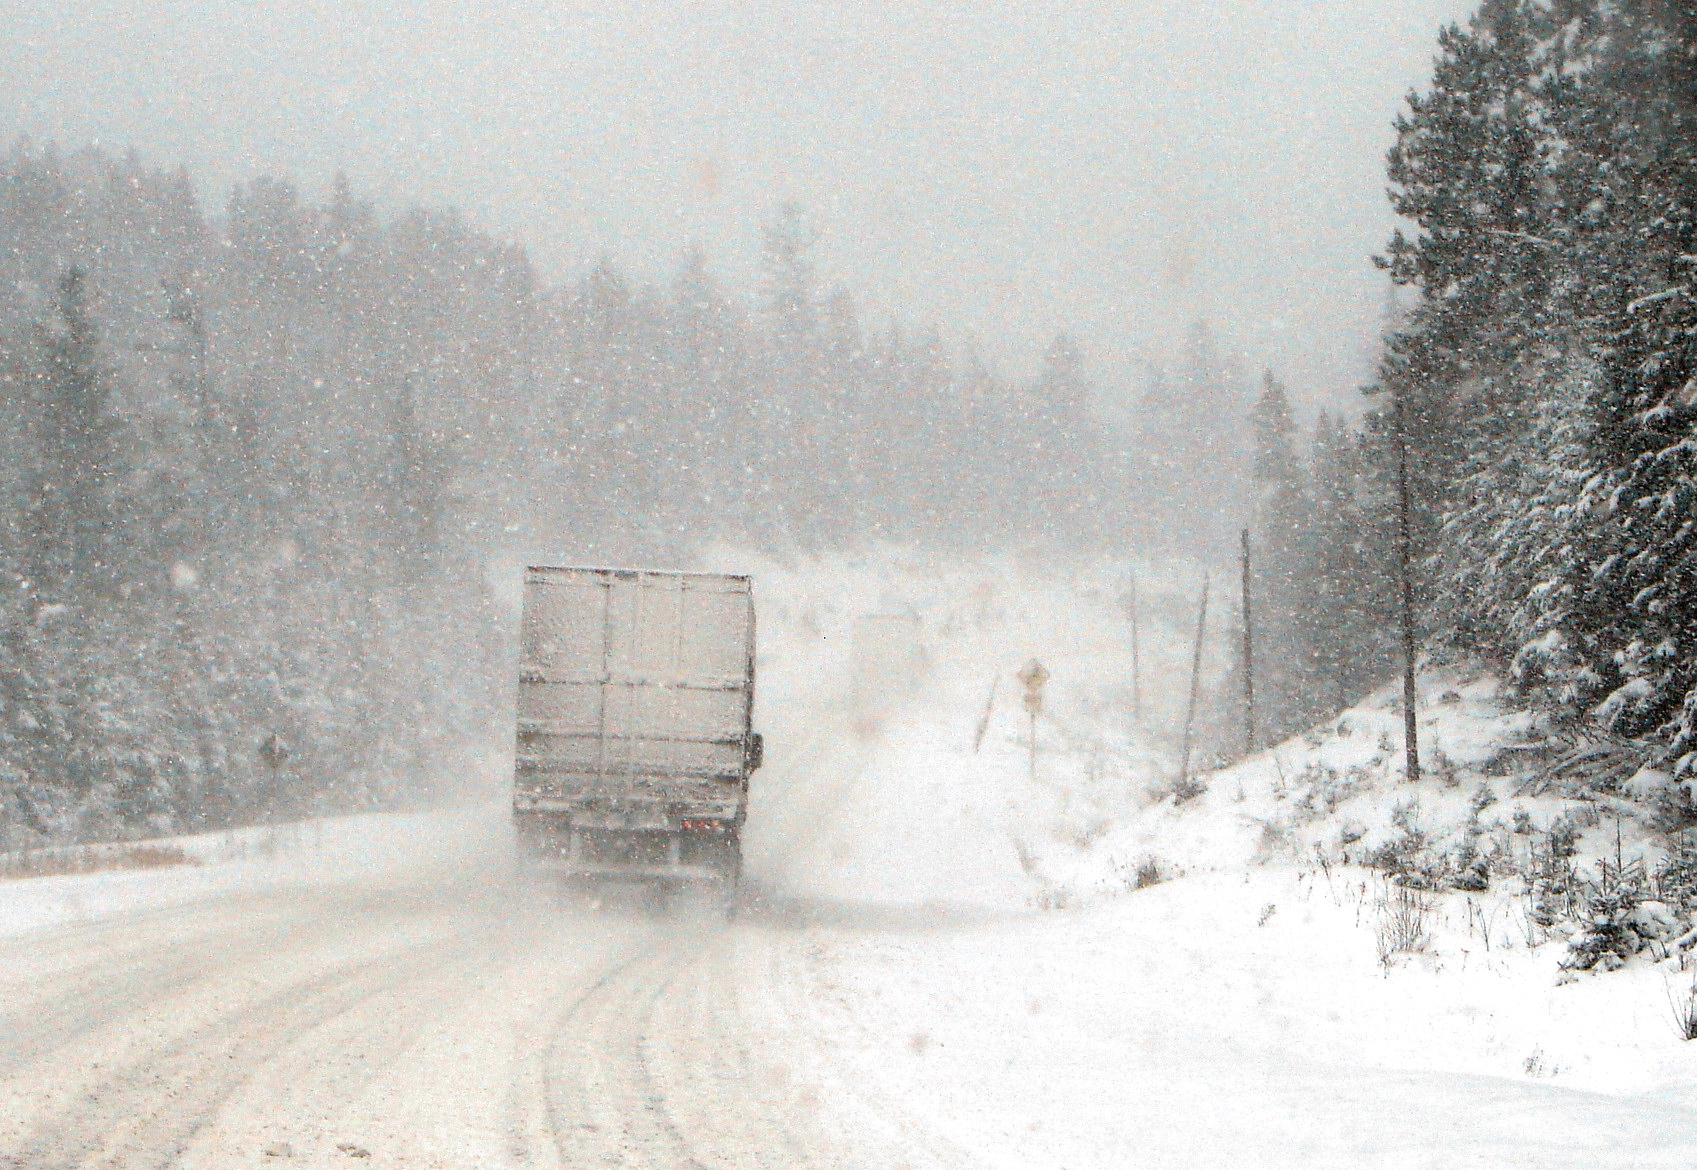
column 1676, row 876
column 1620, row 923
column 1443, row 769
column 1188, row 788
column 1471, row 871
column 1403, row 853
column 1470, row 866
column 1620, row 918
column 1126, row 876
column 1150, row 872
column 1668, row 803
column 1457, row 858
column 1552, row 883
column 1321, row 789
column 1606, row 938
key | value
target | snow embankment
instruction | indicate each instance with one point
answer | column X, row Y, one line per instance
column 364, row 847
column 1073, row 967
column 1246, row 1020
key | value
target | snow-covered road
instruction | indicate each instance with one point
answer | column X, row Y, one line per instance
column 425, row 1017
column 416, row 1019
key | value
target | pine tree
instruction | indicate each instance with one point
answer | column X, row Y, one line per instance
column 74, row 533
column 1344, row 612
column 797, row 455
column 711, row 368
column 786, row 261
column 1635, row 597
column 1289, row 691
column 418, row 485
column 1067, row 468
column 1277, row 474
column 1195, row 449
column 1469, row 170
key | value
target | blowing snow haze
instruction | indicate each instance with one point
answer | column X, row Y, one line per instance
column 843, row 587
column 1001, row 170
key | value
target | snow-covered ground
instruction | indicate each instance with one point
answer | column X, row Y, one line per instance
column 946, row 960
column 1040, row 1009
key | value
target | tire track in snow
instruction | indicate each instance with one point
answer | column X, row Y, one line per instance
column 437, row 1024
column 333, row 1083
column 54, row 995
column 601, row 1103
column 666, row 1064
column 782, row 999
column 147, row 1110
column 758, row 1103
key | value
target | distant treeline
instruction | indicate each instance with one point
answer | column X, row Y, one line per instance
column 254, row 466
column 232, row 581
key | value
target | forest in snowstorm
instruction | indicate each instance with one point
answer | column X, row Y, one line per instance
column 255, row 458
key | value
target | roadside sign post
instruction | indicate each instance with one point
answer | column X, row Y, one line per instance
column 1032, row 679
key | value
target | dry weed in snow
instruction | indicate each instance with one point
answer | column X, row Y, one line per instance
column 1401, row 920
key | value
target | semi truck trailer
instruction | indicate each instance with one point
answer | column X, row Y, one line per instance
column 635, row 726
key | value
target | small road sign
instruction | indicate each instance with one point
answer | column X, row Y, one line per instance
column 1032, row 679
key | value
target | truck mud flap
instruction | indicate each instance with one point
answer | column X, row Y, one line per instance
column 678, row 874
column 660, row 861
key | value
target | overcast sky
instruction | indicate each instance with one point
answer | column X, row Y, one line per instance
column 1004, row 170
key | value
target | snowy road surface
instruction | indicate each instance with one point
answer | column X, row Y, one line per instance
column 414, row 1019
column 421, row 1023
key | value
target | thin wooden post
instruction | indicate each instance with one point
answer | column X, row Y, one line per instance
column 1195, row 676
column 984, row 720
column 1031, row 710
column 1248, row 657
column 1405, row 558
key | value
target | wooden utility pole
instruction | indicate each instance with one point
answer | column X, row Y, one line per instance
column 1195, row 676
column 1248, row 657
column 1130, row 600
column 1405, row 559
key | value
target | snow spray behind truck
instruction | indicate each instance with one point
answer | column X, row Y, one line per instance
column 635, row 736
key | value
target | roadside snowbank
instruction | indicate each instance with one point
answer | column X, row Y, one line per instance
column 336, row 849
column 1252, row 1006
column 1246, row 1020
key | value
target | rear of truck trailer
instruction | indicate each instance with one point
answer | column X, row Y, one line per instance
column 635, row 736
